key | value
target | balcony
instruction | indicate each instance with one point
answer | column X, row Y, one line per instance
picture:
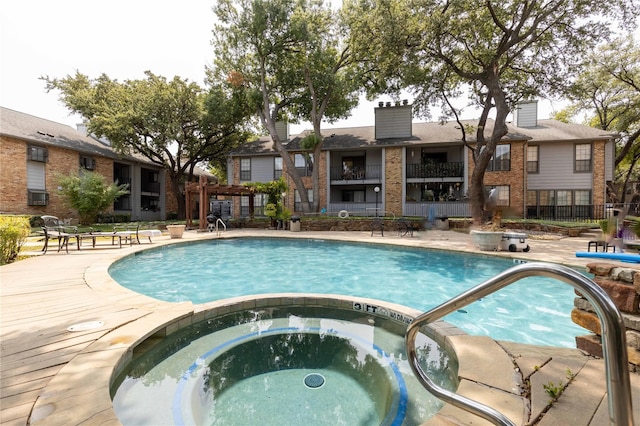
column 150, row 188
column 370, row 172
column 435, row 170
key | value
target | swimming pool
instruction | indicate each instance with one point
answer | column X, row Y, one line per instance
column 535, row 310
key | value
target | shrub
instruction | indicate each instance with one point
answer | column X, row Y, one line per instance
column 90, row 194
column 14, row 231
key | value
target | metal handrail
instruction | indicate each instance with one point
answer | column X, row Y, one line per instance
column 613, row 339
column 223, row 225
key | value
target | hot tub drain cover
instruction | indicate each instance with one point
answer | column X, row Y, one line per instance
column 313, row 380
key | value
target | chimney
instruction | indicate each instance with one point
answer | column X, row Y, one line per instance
column 526, row 114
column 393, row 121
column 282, row 129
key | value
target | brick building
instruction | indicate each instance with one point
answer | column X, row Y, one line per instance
column 541, row 168
column 34, row 152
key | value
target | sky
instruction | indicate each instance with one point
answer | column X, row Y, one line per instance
column 121, row 39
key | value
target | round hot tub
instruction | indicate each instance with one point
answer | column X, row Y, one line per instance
column 285, row 366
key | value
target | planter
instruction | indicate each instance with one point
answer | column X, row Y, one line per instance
column 486, row 240
column 175, row 231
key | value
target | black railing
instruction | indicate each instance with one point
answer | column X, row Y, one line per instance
column 153, row 187
column 369, row 172
column 575, row 213
column 435, row 170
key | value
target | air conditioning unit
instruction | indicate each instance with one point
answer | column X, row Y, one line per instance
column 88, row 163
column 38, row 198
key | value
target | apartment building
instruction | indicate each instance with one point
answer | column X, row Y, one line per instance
column 398, row 167
column 35, row 151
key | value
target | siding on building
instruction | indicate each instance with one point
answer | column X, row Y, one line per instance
column 393, row 122
column 556, row 169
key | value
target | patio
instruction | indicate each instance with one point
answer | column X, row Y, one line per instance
column 53, row 373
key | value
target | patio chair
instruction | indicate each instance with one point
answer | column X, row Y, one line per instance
column 54, row 229
column 405, row 227
column 377, row 224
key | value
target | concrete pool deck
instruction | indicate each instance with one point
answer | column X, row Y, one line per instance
column 52, row 374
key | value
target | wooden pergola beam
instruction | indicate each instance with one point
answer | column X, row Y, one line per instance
column 205, row 190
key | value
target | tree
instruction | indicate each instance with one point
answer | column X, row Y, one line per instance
column 608, row 92
column 174, row 124
column 290, row 58
column 500, row 52
column 274, row 190
column 90, row 194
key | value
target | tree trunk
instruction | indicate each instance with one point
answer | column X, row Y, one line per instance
column 181, row 202
column 481, row 157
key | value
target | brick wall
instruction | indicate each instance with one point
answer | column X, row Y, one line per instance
column 14, row 198
column 598, row 173
column 515, row 178
column 622, row 284
column 392, row 187
column 13, row 177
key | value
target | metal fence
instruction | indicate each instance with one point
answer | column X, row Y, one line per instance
column 462, row 209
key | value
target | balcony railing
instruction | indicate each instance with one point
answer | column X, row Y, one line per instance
column 435, row 209
column 435, row 170
column 370, row 172
column 152, row 187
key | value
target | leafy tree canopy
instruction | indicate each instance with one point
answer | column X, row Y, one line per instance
column 290, row 58
column 607, row 92
column 499, row 52
column 173, row 123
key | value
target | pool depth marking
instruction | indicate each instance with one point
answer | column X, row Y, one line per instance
column 201, row 360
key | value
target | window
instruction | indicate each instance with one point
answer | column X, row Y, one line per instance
column 354, row 196
column 503, row 195
column 559, row 204
column 277, row 168
column 501, row 160
column 245, row 169
column 304, row 164
column 582, row 157
column 298, row 203
column 532, row 159
column 37, row 153
column 87, row 163
column 582, row 197
column 36, row 164
column 244, row 205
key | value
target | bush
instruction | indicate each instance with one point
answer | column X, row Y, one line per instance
column 14, row 231
column 90, row 194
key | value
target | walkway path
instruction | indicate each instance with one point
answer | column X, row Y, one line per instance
column 42, row 297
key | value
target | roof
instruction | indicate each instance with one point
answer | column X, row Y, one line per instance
column 431, row 133
column 45, row 132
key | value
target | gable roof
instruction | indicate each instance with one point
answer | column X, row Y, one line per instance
column 49, row 133
column 431, row 133
column 45, row 132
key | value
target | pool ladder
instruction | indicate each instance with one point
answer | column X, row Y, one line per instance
column 217, row 229
column 613, row 338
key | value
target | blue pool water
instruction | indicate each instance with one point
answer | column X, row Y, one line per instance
column 253, row 368
column 534, row 310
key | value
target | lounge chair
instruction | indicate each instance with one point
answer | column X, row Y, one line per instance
column 132, row 233
column 54, row 229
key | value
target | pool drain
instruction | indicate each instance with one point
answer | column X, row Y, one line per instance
column 314, row 380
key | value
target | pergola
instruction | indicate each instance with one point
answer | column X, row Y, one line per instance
column 205, row 190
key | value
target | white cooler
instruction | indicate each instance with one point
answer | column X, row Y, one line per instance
column 512, row 241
